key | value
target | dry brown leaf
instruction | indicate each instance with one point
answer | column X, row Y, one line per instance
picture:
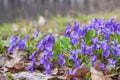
column 55, row 78
column 80, row 72
column 54, row 72
column 97, row 67
column 98, row 75
column 19, row 55
column 3, row 59
column 62, row 71
column 16, row 63
column 19, row 65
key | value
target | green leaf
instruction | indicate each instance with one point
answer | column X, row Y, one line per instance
column 117, row 38
column 61, row 44
column 89, row 35
column 70, row 63
column 9, row 75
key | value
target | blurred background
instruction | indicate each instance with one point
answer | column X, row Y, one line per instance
column 51, row 16
column 10, row 10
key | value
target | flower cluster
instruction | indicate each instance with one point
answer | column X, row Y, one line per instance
column 101, row 44
column 17, row 42
column 45, row 46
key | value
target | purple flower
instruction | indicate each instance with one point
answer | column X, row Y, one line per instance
column 115, row 51
column 31, row 66
column 97, row 23
column 49, row 47
column 107, row 35
column 83, row 50
column 102, row 65
column 22, row 43
column 83, row 31
column 33, row 55
column 95, row 46
column 47, row 71
column 11, row 49
column 43, row 60
column 67, row 30
column 104, row 45
column 83, row 44
column 48, row 65
column 112, row 62
column 93, row 58
column 115, row 43
column 76, row 27
column 74, row 38
column 74, row 54
column 71, row 71
column 36, row 33
column 40, row 45
column 75, row 51
column 105, row 53
column 77, row 63
column 13, row 43
column 49, row 39
column 61, row 60
column 88, row 50
column 95, row 40
column 48, row 53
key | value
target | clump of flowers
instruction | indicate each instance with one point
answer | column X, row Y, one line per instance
column 45, row 46
column 99, row 40
column 16, row 42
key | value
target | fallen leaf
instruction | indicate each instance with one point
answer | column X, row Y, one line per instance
column 16, row 63
column 80, row 72
column 105, row 71
column 98, row 75
column 3, row 59
column 19, row 65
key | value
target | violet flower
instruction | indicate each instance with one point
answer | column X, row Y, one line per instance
column 67, row 30
column 49, row 39
column 106, row 53
column 93, row 58
column 33, row 55
column 104, row 45
column 48, row 53
column 102, row 65
column 22, row 43
column 31, row 66
column 71, row 71
column 61, row 60
column 49, row 47
column 36, row 33
column 74, row 38
column 95, row 40
column 88, row 50
column 40, row 45
column 115, row 51
column 112, row 62
column 74, row 54
column 77, row 63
